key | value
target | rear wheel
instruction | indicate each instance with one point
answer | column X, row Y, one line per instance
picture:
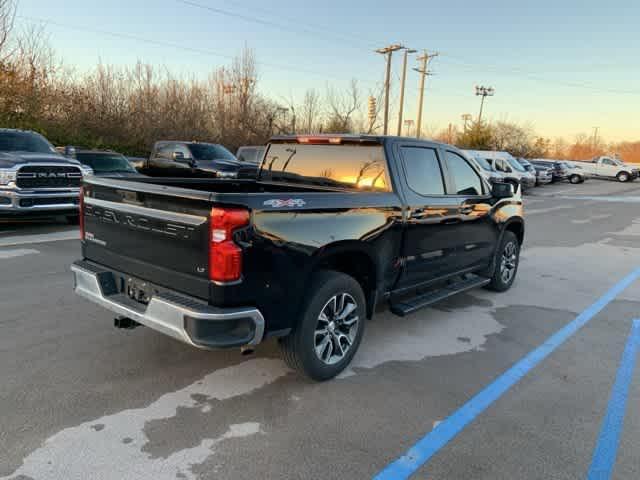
column 575, row 179
column 623, row 177
column 506, row 263
column 329, row 329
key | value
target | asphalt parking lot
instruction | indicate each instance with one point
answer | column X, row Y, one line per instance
column 81, row 400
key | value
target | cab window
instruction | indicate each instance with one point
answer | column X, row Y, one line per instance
column 466, row 180
column 422, row 169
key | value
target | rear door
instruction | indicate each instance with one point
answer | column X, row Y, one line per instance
column 432, row 218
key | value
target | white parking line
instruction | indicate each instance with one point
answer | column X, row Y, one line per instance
column 41, row 238
column 19, row 252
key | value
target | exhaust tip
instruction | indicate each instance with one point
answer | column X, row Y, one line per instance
column 246, row 350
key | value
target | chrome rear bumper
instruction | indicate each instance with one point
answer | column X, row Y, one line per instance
column 184, row 318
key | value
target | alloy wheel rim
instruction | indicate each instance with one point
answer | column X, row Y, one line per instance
column 508, row 262
column 336, row 328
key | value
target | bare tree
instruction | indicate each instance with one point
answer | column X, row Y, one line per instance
column 7, row 17
column 310, row 110
column 342, row 107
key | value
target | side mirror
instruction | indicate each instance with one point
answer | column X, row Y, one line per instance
column 502, row 190
column 70, row 151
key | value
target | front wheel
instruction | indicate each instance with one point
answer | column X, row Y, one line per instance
column 623, row 177
column 329, row 329
column 506, row 263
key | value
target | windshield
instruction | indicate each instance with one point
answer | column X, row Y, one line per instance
column 24, row 142
column 516, row 165
column 105, row 162
column 209, row 151
column 484, row 163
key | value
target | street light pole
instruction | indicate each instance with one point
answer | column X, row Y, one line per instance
column 387, row 51
column 407, row 51
column 483, row 92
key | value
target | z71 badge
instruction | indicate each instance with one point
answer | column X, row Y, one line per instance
column 290, row 202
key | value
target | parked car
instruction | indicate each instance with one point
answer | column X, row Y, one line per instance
column 487, row 170
column 333, row 227
column 576, row 173
column 251, row 154
column 106, row 163
column 501, row 162
column 612, row 168
column 195, row 160
column 35, row 179
column 543, row 175
column 560, row 169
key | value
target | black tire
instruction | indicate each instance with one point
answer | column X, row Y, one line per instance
column 73, row 219
column 575, row 179
column 299, row 347
column 623, row 177
column 499, row 283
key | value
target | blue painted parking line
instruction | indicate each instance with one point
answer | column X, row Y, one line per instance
column 604, row 455
column 432, row 442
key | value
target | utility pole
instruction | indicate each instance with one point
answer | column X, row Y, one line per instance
column 388, row 51
column 407, row 51
column 595, row 136
column 423, row 71
column 483, row 92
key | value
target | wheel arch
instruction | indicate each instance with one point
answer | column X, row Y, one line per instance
column 354, row 258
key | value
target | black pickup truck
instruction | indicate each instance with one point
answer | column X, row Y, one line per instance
column 332, row 228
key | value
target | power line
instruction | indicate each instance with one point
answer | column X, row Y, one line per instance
column 160, row 43
column 307, row 27
column 532, row 76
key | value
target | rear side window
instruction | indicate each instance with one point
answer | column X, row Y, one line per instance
column 465, row 178
column 424, row 175
column 360, row 167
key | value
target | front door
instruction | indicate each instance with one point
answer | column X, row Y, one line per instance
column 477, row 231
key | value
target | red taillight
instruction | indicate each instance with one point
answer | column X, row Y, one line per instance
column 225, row 257
column 81, row 213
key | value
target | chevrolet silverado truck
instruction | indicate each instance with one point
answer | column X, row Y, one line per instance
column 331, row 229
column 607, row 167
column 35, row 179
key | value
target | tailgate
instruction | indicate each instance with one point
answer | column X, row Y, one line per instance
column 153, row 233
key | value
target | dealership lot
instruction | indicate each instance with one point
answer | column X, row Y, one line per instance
column 80, row 399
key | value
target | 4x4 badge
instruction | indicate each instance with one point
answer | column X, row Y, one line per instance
column 290, row 202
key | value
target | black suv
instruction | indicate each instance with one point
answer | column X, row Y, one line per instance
column 106, row 163
column 35, row 179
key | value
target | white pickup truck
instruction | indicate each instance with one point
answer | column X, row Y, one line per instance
column 607, row 167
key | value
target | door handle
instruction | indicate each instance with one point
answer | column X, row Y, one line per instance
column 466, row 209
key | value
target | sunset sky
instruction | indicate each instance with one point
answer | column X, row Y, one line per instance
column 565, row 67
